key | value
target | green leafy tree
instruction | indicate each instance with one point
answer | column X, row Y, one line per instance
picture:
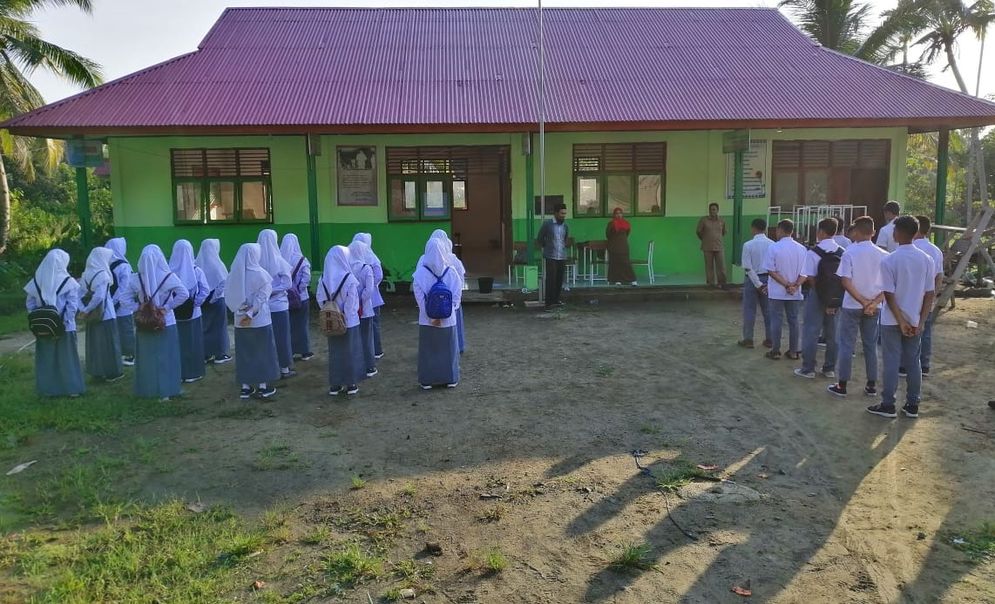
column 22, row 52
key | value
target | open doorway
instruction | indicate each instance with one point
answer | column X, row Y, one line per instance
column 481, row 217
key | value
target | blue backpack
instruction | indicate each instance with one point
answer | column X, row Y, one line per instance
column 439, row 299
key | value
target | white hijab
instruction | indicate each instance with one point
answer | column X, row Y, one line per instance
column 435, row 259
column 270, row 258
column 451, row 258
column 97, row 273
column 337, row 267
column 371, row 256
column 51, row 273
column 246, row 278
column 119, row 246
column 290, row 249
column 152, row 268
column 209, row 260
column 181, row 263
column 358, row 252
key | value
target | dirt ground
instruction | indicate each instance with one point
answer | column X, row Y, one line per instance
column 531, row 456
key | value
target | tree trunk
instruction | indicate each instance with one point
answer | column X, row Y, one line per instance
column 976, row 150
column 4, row 207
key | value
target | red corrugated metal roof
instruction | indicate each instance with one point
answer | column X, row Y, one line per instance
column 354, row 69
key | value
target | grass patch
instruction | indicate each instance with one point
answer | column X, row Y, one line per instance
column 495, row 561
column 633, row 557
column 246, row 412
column 103, row 408
column 979, row 544
column 648, row 429
column 409, row 490
column 356, row 483
column 492, row 515
column 158, row 554
column 275, row 457
column 351, row 566
column 317, row 536
column 679, row 474
column 604, row 371
column 13, row 322
column 380, row 525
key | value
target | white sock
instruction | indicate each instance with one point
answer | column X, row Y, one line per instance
column 262, row 386
column 245, row 386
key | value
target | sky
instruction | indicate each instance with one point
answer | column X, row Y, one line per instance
column 124, row 36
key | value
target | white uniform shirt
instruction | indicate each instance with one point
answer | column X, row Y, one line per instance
column 812, row 259
column 861, row 263
column 754, row 252
column 366, row 287
column 123, row 304
column 842, row 241
column 301, row 279
column 933, row 252
column 100, row 295
column 908, row 273
column 886, row 237
column 786, row 257
column 453, row 282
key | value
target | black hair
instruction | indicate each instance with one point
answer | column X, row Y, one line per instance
column 864, row 225
column 828, row 226
column 893, row 208
column 759, row 224
column 907, row 225
column 787, row 227
column 924, row 225
column 558, row 207
column 715, row 204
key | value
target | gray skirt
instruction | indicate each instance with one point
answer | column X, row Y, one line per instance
column 438, row 355
column 191, row 348
column 300, row 326
column 366, row 339
column 157, row 363
column 215, row 318
column 377, row 342
column 126, row 334
column 103, row 349
column 345, row 359
column 281, row 333
column 255, row 355
column 57, row 368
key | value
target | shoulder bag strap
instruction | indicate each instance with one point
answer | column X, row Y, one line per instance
column 338, row 289
column 38, row 289
column 293, row 275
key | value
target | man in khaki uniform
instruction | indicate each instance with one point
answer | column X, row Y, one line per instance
column 711, row 230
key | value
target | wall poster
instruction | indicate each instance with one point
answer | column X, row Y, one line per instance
column 357, row 176
column 754, row 172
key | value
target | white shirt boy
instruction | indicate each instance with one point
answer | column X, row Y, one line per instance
column 812, row 259
column 842, row 240
column 909, row 274
column 787, row 258
column 935, row 253
column 886, row 237
column 861, row 263
column 754, row 252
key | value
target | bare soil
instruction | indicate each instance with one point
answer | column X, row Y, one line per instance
column 531, row 455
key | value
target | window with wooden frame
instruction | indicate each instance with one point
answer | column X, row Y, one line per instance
column 631, row 176
column 221, row 186
column 425, row 183
column 822, row 172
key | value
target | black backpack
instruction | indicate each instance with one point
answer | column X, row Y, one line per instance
column 46, row 320
column 114, row 283
column 828, row 285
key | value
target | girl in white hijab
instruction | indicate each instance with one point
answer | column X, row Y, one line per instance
column 103, row 343
column 358, row 252
column 214, row 315
column 438, row 344
column 157, row 353
column 374, row 261
column 247, row 295
column 189, row 322
column 57, row 368
column 124, row 306
column 298, row 297
column 457, row 265
column 338, row 286
column 273, row 263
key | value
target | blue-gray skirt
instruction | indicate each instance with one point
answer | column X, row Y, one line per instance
column 438, row 355
column 459, row 329
column 215, row 317
column 281, row 333
column 103, row 349
column 300, row 326
column 255, row 355
column 57, row 368
column 191, row 348
column 377, row 342
column 366, row 339
column 157, row 363
column 345, row 359
column 126, row 334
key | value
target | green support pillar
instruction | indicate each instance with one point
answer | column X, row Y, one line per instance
column 312, row 202
column 529, row 201
column 942, row 161
column 83, row 207
column 737, row 209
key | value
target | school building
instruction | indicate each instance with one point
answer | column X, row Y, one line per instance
column 326, row 122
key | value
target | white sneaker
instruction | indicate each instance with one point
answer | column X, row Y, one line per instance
column 453, row 385
column 802, row 374
column 192, row 380
column 372, row 372
column 829, row 374
column 425, row 386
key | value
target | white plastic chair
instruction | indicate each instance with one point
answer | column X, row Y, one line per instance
column 648, row 263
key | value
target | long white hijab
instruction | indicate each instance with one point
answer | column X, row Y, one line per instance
column 209, row 260
column 50, row 275
column 152, row 268
column 97, row 273
column 338, row 266
column 246, row 278
column 270, row 257
column 182, row 265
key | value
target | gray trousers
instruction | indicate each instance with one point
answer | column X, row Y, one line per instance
column 818, row 322
column 778, row 310
column 752, row 300
column 899, row 350
column 850, row 322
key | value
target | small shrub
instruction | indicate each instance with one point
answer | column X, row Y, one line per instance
column 633, row 557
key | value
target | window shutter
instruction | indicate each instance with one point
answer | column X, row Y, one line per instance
column 253, row 162
column 787, row 154
column 188, row 163
column 845, row 154
column 587, row 158
column 875, row 153
column 618, row 158
column 815, row 154
column 650, row 158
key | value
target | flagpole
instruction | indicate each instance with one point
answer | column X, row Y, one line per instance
column 542, row 128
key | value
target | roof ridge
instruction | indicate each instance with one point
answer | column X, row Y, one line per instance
column 234, row 9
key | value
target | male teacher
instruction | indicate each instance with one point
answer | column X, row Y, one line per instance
column 711, row 231
column 552, row 239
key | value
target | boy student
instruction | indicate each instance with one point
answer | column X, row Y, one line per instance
column 860, row 271
column 785, row 264
column 936, row 254
column 908, row 282
column 755, row 285
column 886, row 237
column 841, row 240
column 825, row 296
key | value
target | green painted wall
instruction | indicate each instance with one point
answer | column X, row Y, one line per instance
column 696, row 173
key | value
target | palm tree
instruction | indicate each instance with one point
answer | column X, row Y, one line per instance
column 22, row 51
column 836, row 24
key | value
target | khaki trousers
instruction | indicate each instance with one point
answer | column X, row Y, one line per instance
column 715, row 267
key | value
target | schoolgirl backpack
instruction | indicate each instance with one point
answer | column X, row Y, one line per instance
column 332, row 319
column 46, row 321
column 439, row 299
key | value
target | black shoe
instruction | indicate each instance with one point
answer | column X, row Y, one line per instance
column 286, row 375
column 335, row 391
column 911, row 410
column 128, row 361
column 883, row 411
column 209, row 360
column 371, row 372
column 991, row 404
column 352, row 389
column 378, row 356
column 267, row 392
column 246, row 393
column 836, row 390
column 307, row 356
column 925, row 371
column 221, row 360
column 821, row 343
column 870, row 390
column 902, row 372
column 111, row 380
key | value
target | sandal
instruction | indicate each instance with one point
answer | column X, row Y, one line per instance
column 773, row 355
column 794, row 356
